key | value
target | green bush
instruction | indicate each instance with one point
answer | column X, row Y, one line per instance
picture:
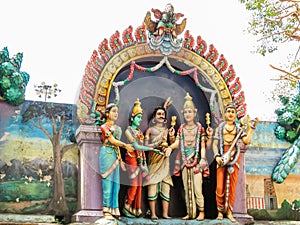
column 260, row 214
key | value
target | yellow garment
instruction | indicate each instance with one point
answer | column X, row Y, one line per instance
column 159, row 170
column 193, row 191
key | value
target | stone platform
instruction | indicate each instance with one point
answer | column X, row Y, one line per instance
column 15, row 219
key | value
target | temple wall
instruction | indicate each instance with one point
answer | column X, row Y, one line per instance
column 26, row 170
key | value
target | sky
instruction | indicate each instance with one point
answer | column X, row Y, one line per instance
column 57, row 39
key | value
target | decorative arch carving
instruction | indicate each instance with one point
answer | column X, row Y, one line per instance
column 113, row 55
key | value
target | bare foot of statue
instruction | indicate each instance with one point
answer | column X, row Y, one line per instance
column 154, row 217
column 165, row 216
column 220, row 216
column 186, row 217
column 108, row 216
column 126, row 210
column 201, row 216
column 118, row 217
column 230, row 217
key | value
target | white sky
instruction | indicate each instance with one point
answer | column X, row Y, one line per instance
column 57, row 38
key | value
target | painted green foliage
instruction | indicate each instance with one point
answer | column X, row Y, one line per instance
column 288, row 118
column 288, row 128
column 13, row 82
column 287, row 211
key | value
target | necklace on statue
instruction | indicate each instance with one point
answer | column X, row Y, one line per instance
column 229, row 130
column 137, row 133
column 183, row 156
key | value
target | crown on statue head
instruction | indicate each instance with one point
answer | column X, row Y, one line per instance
column 230, row 105
column 188, row 103
column 137, row 109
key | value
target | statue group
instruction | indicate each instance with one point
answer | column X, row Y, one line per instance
column 147, row 160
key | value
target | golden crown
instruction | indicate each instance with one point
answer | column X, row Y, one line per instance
column 137, row 109
column 188, row 103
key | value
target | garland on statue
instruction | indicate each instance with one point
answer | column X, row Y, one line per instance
column 183, row 155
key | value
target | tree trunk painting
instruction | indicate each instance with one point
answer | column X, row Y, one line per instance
column 58, row 204
column 56, row 113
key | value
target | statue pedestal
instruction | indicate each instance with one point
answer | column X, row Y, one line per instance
column 89, row 181
column 240, row 204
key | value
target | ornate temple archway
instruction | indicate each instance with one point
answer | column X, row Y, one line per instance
column 137, row 64
column 208, row 69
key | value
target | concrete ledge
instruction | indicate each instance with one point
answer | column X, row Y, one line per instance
column 26, row 219
column 19, row 219
column 86, row 216
column 175, row 221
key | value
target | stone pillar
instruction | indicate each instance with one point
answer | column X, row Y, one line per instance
column 89, row 181
column 240, row 204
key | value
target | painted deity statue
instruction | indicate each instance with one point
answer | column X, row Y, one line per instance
column 191, row 139
column 110, row 161
column 227, row 154
column 135, row 162
column 166, row 23
column 164, row 31
column 158, row 135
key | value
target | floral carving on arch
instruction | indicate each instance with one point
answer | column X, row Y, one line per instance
column 127, row 50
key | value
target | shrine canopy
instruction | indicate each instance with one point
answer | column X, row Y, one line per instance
column 157, row 60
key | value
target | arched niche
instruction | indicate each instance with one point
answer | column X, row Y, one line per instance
column 208, row 71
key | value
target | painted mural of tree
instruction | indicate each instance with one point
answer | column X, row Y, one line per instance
column 51, row 119
column 13, row 82
column 277, row 22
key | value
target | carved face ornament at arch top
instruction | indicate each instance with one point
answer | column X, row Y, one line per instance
column 158, row 41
